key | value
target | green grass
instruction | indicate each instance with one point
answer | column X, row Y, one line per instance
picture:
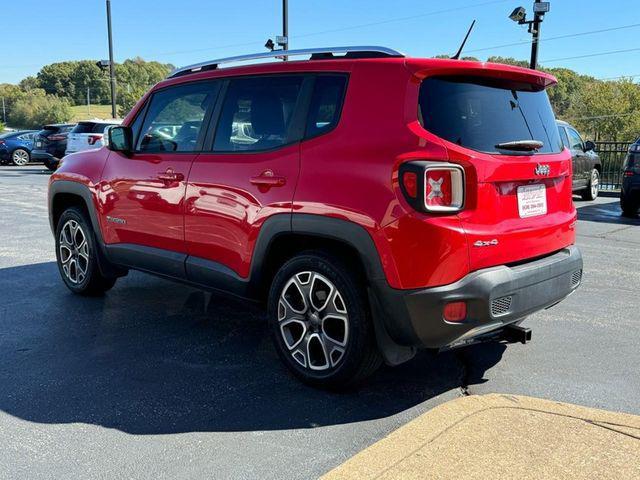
column 81, row 112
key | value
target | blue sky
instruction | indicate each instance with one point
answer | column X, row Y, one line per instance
column 188, row 31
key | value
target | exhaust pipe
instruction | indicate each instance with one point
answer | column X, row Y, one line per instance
column 516, row 333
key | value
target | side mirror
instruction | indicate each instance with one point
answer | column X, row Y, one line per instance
column 120, row 139
column 589, row 146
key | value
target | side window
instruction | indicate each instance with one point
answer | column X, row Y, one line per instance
column 256, row 113
column 174, row 118
column 575, row 141
column 563, row 136
column 326, row 104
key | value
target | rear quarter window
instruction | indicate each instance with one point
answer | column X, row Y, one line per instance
column 326, row 104
column 480, row 113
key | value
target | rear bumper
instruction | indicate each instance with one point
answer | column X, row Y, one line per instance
column 495, row 297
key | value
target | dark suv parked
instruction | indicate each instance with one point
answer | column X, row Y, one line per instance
column 630, row 193
column 587, row 166
column 375, row 203
column 50, row 144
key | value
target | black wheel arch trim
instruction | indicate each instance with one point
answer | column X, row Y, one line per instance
column 81, row 191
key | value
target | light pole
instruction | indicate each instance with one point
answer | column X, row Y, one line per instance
column 112, row 73
column 519, row 15
column 285, row 26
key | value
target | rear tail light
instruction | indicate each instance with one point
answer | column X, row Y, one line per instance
column 55, row 138
column 433, row 186
column 2, row 142
column 92, row 139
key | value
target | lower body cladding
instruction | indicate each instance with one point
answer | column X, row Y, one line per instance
column 492, row 301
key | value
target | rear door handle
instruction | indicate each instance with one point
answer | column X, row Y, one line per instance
column 268, row 179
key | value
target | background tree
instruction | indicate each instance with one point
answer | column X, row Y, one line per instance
column 33, row 110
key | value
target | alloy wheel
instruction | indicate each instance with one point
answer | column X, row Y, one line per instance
column 20, row 157
column 74, row 252
column 595, row 183
column 313, row 321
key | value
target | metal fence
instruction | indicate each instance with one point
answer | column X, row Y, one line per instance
column 611, row 155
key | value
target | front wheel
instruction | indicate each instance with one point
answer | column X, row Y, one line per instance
column 20, row 157
column 76, row 255
column 593, row 188
column 320, row 323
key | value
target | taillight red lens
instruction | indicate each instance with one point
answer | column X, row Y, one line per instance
column 2, row 142
column 443, row 189
column 455, row 311
column 410, row 181
column 55, row 138
column 92, row 139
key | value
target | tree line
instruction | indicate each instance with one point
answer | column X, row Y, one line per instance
column 48, row 96
column 603, row 110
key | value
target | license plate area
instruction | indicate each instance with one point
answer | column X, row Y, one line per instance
column 532, row 200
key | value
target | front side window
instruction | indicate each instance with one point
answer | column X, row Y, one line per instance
column 326, row 104
column 256, row 113
column 174, row 118
column 482, row 113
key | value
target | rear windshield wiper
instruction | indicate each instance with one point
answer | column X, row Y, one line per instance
column 521, row 145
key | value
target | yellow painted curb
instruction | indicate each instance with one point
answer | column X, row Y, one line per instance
column 504, row 436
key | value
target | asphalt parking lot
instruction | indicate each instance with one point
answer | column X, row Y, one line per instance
column 156, row 379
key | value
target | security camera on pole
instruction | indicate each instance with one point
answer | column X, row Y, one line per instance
column 519, row 15
column 281, row 40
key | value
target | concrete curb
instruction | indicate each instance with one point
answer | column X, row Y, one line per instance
column 504, row 436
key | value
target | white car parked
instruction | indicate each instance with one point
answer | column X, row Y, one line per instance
column 88, row 135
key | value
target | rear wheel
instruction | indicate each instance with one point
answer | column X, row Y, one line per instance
column 593, row 188
column 76, row 254
column 20, row 157
column 629, row 207
column 320, row 323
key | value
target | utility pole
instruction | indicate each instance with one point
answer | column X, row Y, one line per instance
column 88, row 101
column 4, row 112
column 535, row 31
column 112, row 73
column 285, row 26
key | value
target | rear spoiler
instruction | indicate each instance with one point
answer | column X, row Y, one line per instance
column 425, row 67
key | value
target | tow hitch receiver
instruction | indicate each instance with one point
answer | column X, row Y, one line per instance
column 516, row 333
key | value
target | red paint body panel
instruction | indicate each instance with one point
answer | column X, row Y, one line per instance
column 224, row 210
column 152, row 208
column 215, row 212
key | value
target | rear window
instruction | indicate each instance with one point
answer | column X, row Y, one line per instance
column 326, row 103
column 479, row 113
column 90, row 127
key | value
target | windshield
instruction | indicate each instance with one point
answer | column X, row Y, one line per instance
column 480, row 113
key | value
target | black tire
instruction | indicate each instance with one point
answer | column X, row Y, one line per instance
column 24, row 154
column 591, row 193
column 50, row 166
column 360, row 356
column 629, row 207
column 92, row 282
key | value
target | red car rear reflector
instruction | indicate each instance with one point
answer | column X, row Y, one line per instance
column 410, row 181
column 455, row 311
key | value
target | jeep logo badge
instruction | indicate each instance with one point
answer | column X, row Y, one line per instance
column 542, row 170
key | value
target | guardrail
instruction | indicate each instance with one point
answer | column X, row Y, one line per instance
column 611, row 155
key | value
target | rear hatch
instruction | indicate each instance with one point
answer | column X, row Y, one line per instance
column 85, row 135
column 500, row 127
column 41, row 139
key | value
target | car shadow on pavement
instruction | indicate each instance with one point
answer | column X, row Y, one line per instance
column 155, row 357
column 608, row 212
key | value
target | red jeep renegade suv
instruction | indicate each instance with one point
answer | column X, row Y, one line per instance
column 376, row 203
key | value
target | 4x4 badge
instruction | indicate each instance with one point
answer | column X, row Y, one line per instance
column 542, row 170
column 486, row 243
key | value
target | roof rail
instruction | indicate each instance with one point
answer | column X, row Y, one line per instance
column 315, row 53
